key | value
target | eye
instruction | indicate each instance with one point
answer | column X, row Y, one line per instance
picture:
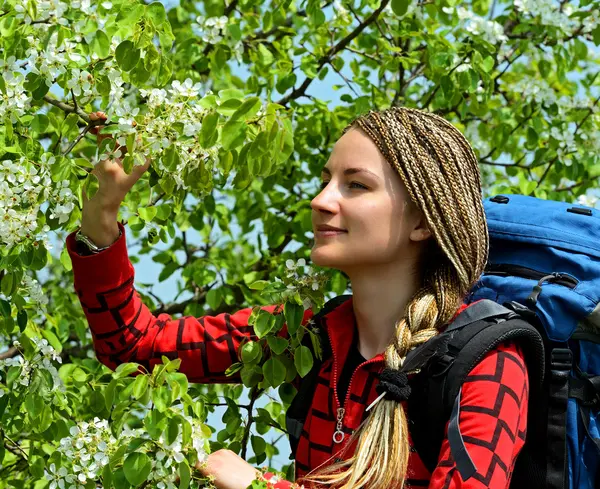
column 360, row 185
column 323, row 185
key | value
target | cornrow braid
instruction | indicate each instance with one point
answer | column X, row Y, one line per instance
column 440, row 171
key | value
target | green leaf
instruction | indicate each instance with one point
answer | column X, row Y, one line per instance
column 303, row 360
column 251, row 375
column 171, row 158
column 34, row 405
column 293, row 316
column 172, row 430
column 264, row 323
column 258, row 285
column 251, row 352
column 22, row 319
column 127, row 56
column 258, row 444
column 126, row 369
column 165, row 71
column 233, row 134
column 400, row 7
column 140, row 385
column 40, row 123
column 100, row 44
column 248, row 109
column 277, row 344
column 180, row 380
column 147, row 213
column 487, row 64
column 233, row 368
column 137, row 467
column 596, row 35
column 214, row 298
column 129, row 14
column 91, row 185
column 230, row 93
column 185, row 475
column 107, row 477
column 53, row 340
column 208, row 132
column 161, row 398
column 5, row 308
column 109, row 393
column 8, row 284
column 36, row 467
column 274, row 372
column 156, row 12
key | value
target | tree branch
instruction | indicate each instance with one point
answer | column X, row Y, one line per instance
column 69, row 109
column 300, row 91
column 10, row 353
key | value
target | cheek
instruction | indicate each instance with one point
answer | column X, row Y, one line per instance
column 380, row 221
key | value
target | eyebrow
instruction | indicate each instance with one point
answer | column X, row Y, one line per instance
column 350, row 171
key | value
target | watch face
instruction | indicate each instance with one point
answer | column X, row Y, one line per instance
column 82, row 249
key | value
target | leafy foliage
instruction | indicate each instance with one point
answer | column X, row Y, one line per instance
column 223, row 99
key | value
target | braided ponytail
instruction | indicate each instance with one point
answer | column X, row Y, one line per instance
column 440, row 171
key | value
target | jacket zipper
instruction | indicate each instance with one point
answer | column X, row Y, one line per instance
column 339, row 435
column 529, row 273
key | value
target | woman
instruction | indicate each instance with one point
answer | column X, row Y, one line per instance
column 400, row 212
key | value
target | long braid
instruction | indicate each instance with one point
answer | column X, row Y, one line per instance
column 440, row 171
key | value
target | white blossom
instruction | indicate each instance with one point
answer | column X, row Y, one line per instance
column 489, row 30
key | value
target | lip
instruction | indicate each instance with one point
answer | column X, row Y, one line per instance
column 324, row 231
column 326, row 228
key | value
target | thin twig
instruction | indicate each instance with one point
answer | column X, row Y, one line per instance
column 366, row 55
column 437, row 87
column 16, row 445
column 10, row 353
column 348, row 82
column 577, row 127
column 79, row 138
column 254, row 395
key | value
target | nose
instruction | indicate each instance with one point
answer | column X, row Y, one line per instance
column 327, row 200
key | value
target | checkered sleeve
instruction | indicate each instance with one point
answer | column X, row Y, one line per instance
column 124, row 329
column 493, row 422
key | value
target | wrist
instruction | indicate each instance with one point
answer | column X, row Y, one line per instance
column 100, row 227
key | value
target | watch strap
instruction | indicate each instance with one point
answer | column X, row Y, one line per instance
column 91, row 247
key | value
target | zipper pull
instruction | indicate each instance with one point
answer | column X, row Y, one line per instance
column 339, row 435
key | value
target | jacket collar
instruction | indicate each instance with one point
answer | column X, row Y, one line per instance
column 341, row 327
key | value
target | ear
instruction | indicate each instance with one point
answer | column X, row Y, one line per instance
column 420, row 230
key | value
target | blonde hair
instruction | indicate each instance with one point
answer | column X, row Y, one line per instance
column 440, row 170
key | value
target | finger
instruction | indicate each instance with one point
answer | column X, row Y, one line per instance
column 96, row 116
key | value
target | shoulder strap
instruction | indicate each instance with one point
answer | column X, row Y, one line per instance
column 296, row 414
column 476, row 331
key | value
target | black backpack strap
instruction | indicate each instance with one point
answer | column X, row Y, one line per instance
column 475, row 332
column 295, row 415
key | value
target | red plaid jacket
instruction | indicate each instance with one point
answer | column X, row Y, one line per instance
column 494, row 398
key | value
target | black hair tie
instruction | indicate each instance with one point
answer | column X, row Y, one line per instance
column 395, row 385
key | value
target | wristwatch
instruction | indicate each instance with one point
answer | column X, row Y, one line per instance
column 90, row 245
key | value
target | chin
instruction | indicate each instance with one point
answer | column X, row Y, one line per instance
column 322, row 257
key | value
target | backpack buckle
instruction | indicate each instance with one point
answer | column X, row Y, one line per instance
column 441, row 365
column 561, row 359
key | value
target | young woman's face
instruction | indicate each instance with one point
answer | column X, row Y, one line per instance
column 363, row 215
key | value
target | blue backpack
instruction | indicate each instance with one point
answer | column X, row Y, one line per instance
column 545, row 255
